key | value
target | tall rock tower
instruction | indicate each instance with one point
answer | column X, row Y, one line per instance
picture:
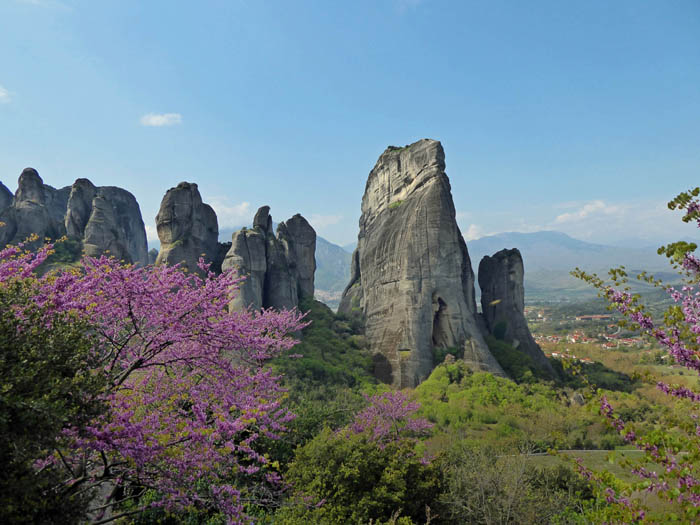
column 411, row 277
column 503, row 301
column 187, row 228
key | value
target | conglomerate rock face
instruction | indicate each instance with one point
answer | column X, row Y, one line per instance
column 503, row 303
column 279, row 270
column 187, row 228
column 411, row 277
column 104, row 219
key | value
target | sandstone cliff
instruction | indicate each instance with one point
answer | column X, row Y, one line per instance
column 103, row 219
column 411, row 277
column 503, row 302
column 187, row 228
column 279, row 270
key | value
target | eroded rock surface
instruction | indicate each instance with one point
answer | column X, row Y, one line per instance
column 103, row 219
column 5, row 197
column 279, row 269
column 503, row 303
column 411, row 277
column 187, row 228
column 115, row 225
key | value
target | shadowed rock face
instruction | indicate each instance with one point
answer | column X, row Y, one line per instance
column 104, row 219
column 411, row 277
column 503, row 301
column 115, row 224
column 5, row 197
column 279, row 269
column 187, row 228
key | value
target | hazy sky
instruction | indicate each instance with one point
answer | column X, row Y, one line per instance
column 582, row 117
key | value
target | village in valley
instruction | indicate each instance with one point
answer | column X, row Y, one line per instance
column 585, row 338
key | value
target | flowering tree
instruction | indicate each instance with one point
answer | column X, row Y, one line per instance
column 674, row 450
column 390, row 418
column 186, row 391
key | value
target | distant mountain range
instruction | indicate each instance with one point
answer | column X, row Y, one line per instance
column 548, row 257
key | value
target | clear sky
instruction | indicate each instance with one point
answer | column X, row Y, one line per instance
column 582, row 117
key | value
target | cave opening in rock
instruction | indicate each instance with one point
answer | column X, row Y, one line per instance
column 441, row 329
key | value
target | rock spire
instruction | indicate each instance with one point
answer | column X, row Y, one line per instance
column 503, row 303
column 411, row 277
column 279, row 269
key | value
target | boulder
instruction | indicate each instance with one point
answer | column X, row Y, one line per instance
column 411, row 277
column 503, row 304
column 187, row 228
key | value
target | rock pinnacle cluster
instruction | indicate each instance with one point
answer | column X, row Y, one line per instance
column 104, row 219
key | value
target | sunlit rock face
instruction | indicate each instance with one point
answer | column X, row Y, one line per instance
column 411, row 277
column 106, row 220
column 503, row 303
column 279, row 270
column 187, row 228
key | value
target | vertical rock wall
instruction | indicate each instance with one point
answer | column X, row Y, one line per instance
column 187, row 228
column 411, row 277
column 503, row 302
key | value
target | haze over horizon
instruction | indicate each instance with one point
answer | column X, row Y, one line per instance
column 583, row 119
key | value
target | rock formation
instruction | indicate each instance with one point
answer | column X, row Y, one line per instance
column 411, row 277
column 279, row 269
column 503, row 303
column 5, row 197
column 103, row 219
column 187, row 228
column 115, row 225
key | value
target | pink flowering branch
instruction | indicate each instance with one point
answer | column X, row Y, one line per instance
column 188, row 395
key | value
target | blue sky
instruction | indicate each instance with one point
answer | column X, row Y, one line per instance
column 582, row 117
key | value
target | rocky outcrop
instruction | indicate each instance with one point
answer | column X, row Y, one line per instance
column 115, row 226
column 411, row 277
column 299, row 241
column 36, row 209
column 187, row 228
column 104, row 219
column 5, row 197
column 279, row 269
column 503, row 304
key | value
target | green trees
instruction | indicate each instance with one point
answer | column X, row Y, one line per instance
column 347, row 478
column 44, row 385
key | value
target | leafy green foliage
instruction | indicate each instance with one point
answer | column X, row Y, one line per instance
column 480, row 407
column 45, row 385
column 333, row 352
column 517, row 365
column 440, row 353
column 485, row 485
column 346, row 478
